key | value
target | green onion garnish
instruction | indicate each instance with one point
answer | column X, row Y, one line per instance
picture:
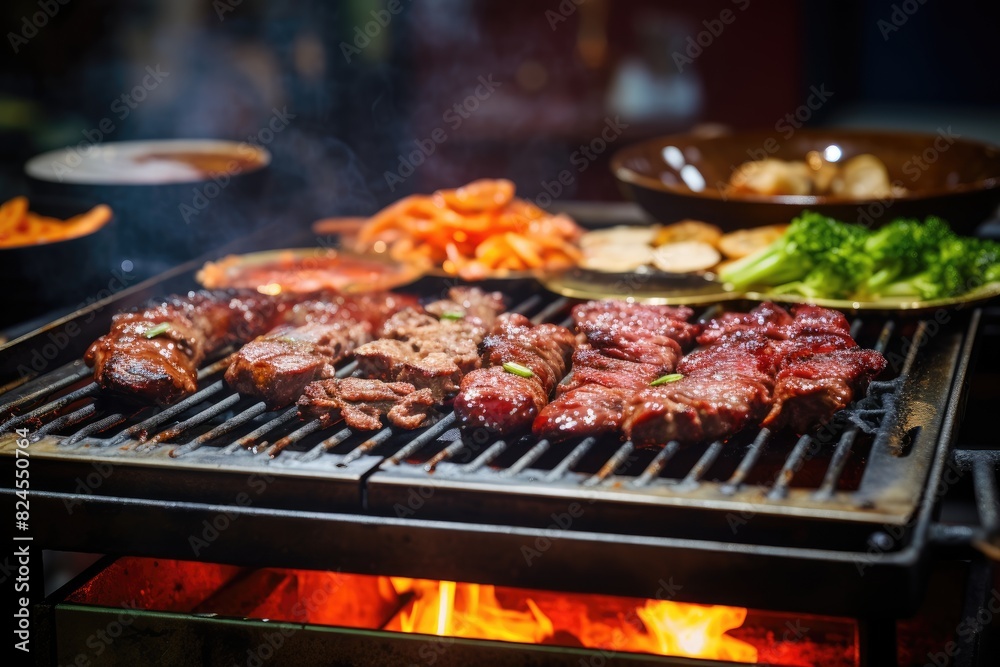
column 518, row 369
column 153, row 332
column 452, row 315
column 673, row 377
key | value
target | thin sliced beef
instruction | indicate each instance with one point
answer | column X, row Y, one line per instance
column 500, row 401
column 764, row 367
column 809, row 390
column 164, row 368
column 417, row 349
column 429, row 351
column 628, row 345
column 362, row 403
column 276, row 367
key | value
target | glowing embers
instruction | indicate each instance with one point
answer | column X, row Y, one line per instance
column 602, row 624
column 451, row 609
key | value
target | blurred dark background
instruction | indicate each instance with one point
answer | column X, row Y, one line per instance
column 516, row 87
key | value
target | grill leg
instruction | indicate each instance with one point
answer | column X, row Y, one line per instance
column 877, row 642
column 977, row 593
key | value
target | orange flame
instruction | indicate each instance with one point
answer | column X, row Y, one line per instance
column 692, row 630
column 450, row 609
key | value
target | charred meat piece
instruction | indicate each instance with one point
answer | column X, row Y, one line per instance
column 794, row 374
column 611, row 313
column 628, row 346
column 363, row 403
column 810, row 389
column 475, row 305
column 276, row 367
column 593, row 401
column 636, row 332
column 501, row 401
column 498, row 401
column 766, row 317
column 592, row 367
column 725, row 387
column 429, row 351
column 153, row 354
column 587, row 410
column 433, row 363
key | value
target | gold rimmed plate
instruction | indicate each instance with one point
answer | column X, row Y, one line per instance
column 667, row 289
column 303, row 270
column 645, row 286
column 907, row 304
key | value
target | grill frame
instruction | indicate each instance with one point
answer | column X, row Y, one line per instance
column 346, row 529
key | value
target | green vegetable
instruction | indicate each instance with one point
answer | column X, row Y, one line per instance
column 903, row 248
column 518, row 369
column 821, row 258
column 153, row 332
column 959, row 265
column 812, row 242
column 673, row 377
column 452, row 315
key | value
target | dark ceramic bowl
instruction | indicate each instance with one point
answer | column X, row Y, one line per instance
column 168, row 210
column 45, row 276
column 683, row 176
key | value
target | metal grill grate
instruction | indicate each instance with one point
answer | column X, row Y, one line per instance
column 203, row 448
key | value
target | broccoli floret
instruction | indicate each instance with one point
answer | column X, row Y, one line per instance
column 838, row 273
column 903, row 248
column 820, row 257
column 960, row 264
column 812, row 242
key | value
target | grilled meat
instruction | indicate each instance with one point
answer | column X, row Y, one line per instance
column 636, row 332
column 629, row 346
column 503, row 402
column 475, row 305
column 725, row 387
column 164, row 367
column 810, row 389
column 362, row 403
column 763, row 366
column 766, row 317
column 427, row 353
column 590, row 366
column 276, row 367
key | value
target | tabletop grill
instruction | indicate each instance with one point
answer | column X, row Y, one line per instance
column 847, row 508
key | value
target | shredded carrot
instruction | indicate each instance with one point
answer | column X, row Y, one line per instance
column 474, row 231
column 20, row 226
